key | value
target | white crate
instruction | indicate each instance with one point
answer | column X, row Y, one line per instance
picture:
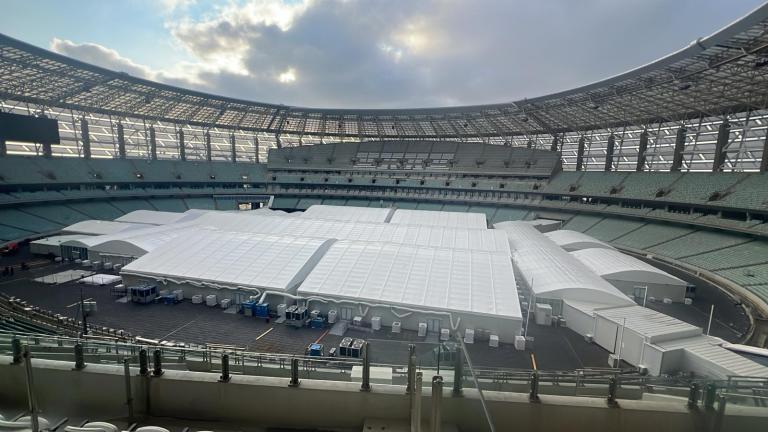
column 520, row 343
column 197, row 299
column 445, row 334
column 376, row 323
column 225, row 303
column 469, row 336
column 396, row 327
column 422, row 329
column 210, row 300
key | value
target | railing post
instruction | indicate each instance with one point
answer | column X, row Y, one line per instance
column 693, row 396
column 30, row 389
column 721, row 402
column 158, row 358
column 79, row 356
column 458, row 374
column 710, row 394
column 411, row 368
column 294, row 373
column 437, row 400
column 17, row 351
column 612, row 388
column 416, row 403
column 143, row 362
column 533, row 395
column 366, row 385
column 224, row 368
column 128, row 393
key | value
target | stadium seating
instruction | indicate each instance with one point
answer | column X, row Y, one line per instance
column 699, row 187
column 741, row 255
column 97, row 210
column 60, row 214
column 168, row 204
column 651, row 234
column 697, row 242
column 582, row 222
column 611, row 229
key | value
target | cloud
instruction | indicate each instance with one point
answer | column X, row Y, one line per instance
column 402, row 53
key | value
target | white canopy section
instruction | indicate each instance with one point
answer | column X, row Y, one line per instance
column 151, row 217
column 232, row 260
column 706, row 355
column 425, row 278
column 459, row 238
column 614, row 265
column 551, row 272
column 574, row 240
column 348, row 213
column 439, row 218
column 132, row 243
column 100, row 227
column 651, row 325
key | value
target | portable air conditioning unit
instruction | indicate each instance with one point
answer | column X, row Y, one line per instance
column 688, row 301
column 314, row 314
column 117, row 267
column 281, row 308
column 445, row 334
column 332, row 315
column 96, row 265
column 520, row 343
column 667, row 300
column 225, row 303
column 469, row 336
column 107, row 266
column 197, row 299
column 357, row 321
column 493, row 341
column 589, row 338
column 376, row 323
column 210, row 300
column 86, row 263
column 179, row 294
column 642, row 370
column 422, row 329
column 163, row 293
column 396, row 327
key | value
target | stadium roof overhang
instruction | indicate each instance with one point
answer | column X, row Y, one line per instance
column 717, row 75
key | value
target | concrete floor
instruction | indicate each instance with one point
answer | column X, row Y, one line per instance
column 553, row 349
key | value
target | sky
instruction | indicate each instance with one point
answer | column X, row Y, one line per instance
column 369, row 53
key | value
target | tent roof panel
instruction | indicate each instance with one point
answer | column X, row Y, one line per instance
column 574, row 240
column 420, row 277
column 101, row 227
column 612, row 264
column 348, row 213
column 151, row 217
column 439, row 218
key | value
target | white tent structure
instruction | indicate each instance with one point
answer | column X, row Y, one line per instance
column 417, row 235
column 348, row 213
column 252, row 263
column 443, row 288
column 439, row 218
column 552, row 273
column 574, row 240
column 52, row 245
column 100, row 227
column 631, row 275
column 151, row 217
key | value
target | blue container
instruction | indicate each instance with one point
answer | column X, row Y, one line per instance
column 316, row 323
column 315, row 350
column 246, row 307
column 261, row 310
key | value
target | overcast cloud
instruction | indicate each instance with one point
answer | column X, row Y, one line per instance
column 407, row 53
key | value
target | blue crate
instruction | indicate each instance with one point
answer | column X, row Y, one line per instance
column 261, row 310
column 316, row 349
column 316, row 323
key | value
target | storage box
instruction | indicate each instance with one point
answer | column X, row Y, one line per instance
column 376, row 323
column 197, row 299
column 445, row 334
column 225, row 303
column 422, row 329
column 210, row 300
column 332, row 314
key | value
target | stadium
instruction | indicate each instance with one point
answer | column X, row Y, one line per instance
column 594, row 259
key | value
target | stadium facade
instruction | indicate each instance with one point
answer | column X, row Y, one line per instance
column 665, row 164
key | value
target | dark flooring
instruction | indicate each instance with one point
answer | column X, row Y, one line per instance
column 553, row 349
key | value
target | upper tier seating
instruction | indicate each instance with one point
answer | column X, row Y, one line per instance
column 696, row 243
column 652, row 234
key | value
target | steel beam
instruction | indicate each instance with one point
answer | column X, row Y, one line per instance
column 580, row 154
column 85, row 137
column 677, row 158
column 723, row 134
column 609, row 152
column 641, row 151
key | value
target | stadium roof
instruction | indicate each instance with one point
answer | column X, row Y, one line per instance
column 713, row 75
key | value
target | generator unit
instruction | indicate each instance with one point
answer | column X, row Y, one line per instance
column 351, row 347
column 143, row 294
column 296, row 315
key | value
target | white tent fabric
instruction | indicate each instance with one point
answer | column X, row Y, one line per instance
column 439, row 218
column 418, row 235
column 235, row 260
column 551, row 272
column 151, row 217
column 348, row 213
column 100, row 227
column 131, row 243
column 614, row 265
column 574, row 240
column 431, row 278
